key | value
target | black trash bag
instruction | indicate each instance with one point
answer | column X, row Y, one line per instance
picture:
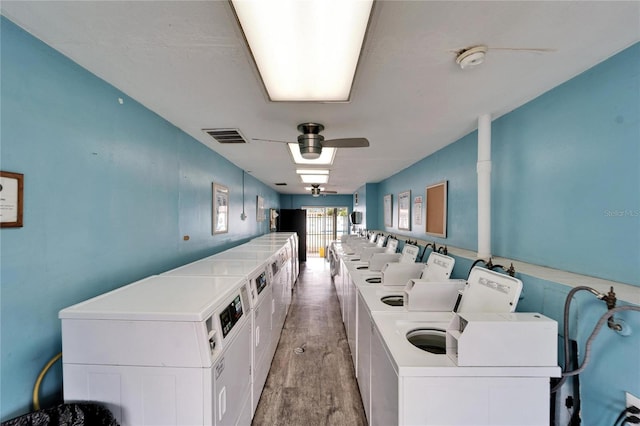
column 77, row 414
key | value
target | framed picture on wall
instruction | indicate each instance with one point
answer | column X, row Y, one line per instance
column 417, row 211
column 388, row 210
column 404, row 209
column 436, row 222
column 220, row 208
column 260, row 209
column 11, row 199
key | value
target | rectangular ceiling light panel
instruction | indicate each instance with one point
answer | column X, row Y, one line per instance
column 312, row 171
column 305, row 50
column 314, row 178
column 325, row 159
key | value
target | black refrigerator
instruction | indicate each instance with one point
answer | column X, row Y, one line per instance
column 295, row 220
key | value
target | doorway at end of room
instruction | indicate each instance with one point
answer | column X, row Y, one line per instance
column 325, row 224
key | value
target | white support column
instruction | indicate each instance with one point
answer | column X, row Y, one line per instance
column 484, row 186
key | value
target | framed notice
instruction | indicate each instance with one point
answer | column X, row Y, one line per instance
column 220, row 217
column 260, row 217
column 436, row 222
column 388, row 210
column 404, row 208
column 11, row 199
column 417, row 211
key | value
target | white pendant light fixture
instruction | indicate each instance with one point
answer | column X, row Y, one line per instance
column 305, row 50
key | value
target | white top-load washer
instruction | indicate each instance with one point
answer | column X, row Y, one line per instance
column 378, row 262
column 163, row 351
column 261, row 298
column 414, row 381
column 377, row 297
column 378, row 255
column 353, row 278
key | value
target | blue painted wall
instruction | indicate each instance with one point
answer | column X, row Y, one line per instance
column 565, row 194
column 565, row 179
column 368, row 205
column 288, row 201
column 456, row 164
column 110, row 191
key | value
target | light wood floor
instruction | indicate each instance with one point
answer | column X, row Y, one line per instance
column 317, row 387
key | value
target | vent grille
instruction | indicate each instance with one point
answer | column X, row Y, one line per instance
column 281, row 183
column 225, row 135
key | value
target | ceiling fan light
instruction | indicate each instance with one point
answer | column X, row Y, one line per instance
column 326, row 157
column 310, row 152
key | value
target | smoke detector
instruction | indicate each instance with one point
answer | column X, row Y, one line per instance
column 471, row 57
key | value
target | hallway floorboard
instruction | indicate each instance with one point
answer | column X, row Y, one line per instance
column 318, row 386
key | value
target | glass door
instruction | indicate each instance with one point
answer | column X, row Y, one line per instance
column 325, row 224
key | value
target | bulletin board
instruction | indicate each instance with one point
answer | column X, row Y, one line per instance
column 436, row 207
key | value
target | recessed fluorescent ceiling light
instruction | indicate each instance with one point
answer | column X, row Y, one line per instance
column 312, row 171
column 326, row 157
column 305, row 50
column 314, row 178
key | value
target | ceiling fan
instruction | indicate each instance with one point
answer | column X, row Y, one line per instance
column 316, row 190
column 470, row 57
column 311, row 141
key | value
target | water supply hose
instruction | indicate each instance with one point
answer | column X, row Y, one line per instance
column 36, row 386
column 606, row 317
column 594, row 333
column 475, row 263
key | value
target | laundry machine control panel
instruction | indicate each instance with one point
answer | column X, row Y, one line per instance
column 519, row 339
column 261, row 282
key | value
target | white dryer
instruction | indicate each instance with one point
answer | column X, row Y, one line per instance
column 279, row 282
column 261, row 317
column 163, row 351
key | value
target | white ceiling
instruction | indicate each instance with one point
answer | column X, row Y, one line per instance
column 186, row 60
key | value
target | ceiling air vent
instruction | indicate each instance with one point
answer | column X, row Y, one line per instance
column 281, row 183
column 225, row 135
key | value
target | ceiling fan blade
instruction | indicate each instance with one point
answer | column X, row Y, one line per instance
column 525, row 49
column 271, row 140
column 346, row 143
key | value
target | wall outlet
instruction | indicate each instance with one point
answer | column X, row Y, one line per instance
column 632, row 400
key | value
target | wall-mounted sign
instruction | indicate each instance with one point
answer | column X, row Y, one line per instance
column 404, row 209
column 11, row 199
column 388, row 210
column 260, row 216
column 220, row 220
column 417, row 211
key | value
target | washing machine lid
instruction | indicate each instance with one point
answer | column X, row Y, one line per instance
column 438, row 267
column 159, row 298
column 489, row 291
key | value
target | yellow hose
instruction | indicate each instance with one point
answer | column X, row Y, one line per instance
column 36, row 387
